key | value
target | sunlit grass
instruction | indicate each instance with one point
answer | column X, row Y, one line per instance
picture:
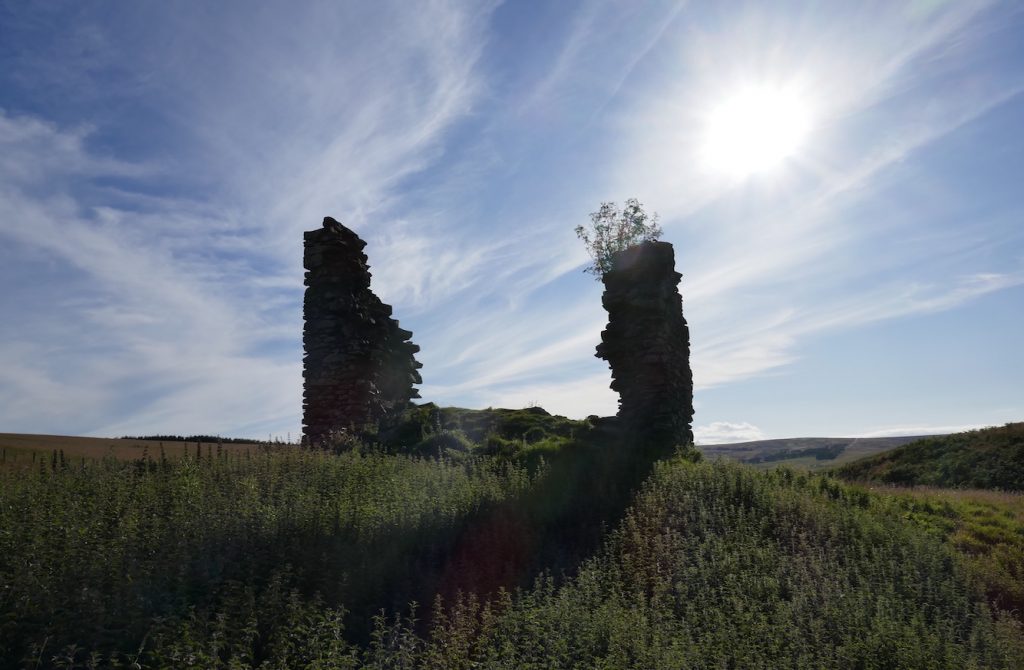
column 985, row 527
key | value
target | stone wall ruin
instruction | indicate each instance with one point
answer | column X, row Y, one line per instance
column 647, row 345
column 359, row 366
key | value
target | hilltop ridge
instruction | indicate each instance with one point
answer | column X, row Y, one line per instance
column 989, row 458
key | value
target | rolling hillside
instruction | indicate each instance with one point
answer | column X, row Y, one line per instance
column 991, row 458
column 813, row 453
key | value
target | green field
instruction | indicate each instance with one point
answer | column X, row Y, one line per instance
column 21, row 450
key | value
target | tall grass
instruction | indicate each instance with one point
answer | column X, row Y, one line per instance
column 300, row 560
column 717, row 566
column 95, row 553
column 986, row 528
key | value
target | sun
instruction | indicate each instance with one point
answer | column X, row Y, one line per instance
column 756, row 129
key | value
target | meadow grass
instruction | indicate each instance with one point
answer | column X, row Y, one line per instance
column 94, row 553
column 719, row 566
column 986, row 528
column 21, row 450
column 564, row 552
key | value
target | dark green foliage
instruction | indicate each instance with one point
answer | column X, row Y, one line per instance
column 992, row 458
column 511, row 424
column 826, row 453
column 534, row 434
column 986, row 528
column 718, row 566
column 95, row 555
column 495, row 445
column 583, row 488
column 297, row 559
column 416, row 430
column 443, row 443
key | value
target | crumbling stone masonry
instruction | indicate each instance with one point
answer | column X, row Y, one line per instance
column 359, row 366
column 647, row 345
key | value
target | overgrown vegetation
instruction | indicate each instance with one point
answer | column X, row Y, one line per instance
column 719, row 566
column 533, row 542
column 613, row 230
column 986, row 528
column 992, row 458
column 429, row 430
column 99, row 554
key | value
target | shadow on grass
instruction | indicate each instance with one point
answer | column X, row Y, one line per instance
column 586, row 488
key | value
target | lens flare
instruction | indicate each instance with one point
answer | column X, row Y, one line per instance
column 755, row 130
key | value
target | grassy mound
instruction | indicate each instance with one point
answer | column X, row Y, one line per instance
column 992, row 458
column 281, row 559
column 719, row 566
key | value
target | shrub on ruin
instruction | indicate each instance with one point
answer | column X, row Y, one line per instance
column 613, row 230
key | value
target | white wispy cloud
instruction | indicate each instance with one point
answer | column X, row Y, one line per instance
column 587, row 45
column 169, row 314
column 794, row 239
column 35, row 149
column 159, row 306
column 761, row 346
column 783, row 241
column 724, row 432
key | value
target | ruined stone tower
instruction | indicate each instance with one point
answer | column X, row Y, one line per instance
column 359, row 366
column 647, row 344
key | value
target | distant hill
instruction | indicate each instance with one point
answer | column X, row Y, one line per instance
column 990, row 458
column 815, row 453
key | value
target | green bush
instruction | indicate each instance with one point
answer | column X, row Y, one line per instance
column 495, row 445
column 992, row 458
column 448, row 442
column 534, row 434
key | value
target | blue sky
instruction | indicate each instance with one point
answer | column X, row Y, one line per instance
column 159, row 162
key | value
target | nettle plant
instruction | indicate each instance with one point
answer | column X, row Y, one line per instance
column 613, row 230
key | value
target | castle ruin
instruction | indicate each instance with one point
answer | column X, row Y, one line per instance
column 359, row 366
column 647, row 344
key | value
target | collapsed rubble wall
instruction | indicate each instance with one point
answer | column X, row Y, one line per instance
column 647, row 344
column 359, row 366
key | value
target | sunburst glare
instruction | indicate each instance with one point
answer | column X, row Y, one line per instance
column 754, row 130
